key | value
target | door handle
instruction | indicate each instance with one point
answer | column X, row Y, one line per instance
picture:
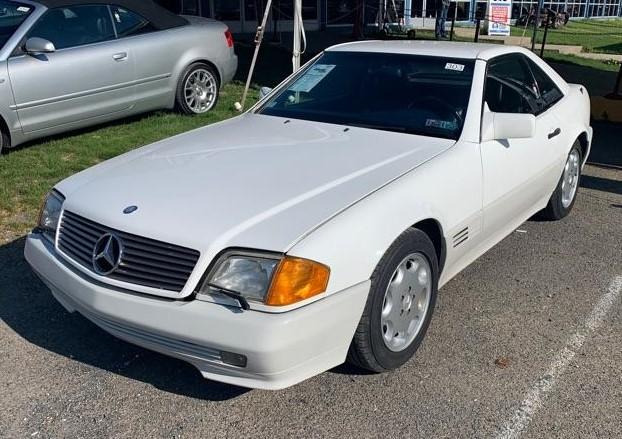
column 120, row 56
column 557, row 132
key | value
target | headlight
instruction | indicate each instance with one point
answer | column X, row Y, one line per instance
column 271, row 279
column 50, row 214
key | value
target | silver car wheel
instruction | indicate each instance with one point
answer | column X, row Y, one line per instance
column 406, row 302
column 200, row 90
column 570, row 179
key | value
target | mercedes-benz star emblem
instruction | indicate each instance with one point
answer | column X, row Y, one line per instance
column 107, row 254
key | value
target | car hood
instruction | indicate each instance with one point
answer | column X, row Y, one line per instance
column 253, row 181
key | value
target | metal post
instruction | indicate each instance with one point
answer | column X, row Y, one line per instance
column 535, row 28
column 546, row 31
column 407, row 13
column 297, row 34
column 477, row 25
column 258, row 39
column 453, row 23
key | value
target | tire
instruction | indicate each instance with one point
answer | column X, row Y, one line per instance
column 373, row 346
column 561, row 203
column 205, row 93
column 5, row 141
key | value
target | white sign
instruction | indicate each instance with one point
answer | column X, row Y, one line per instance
column 499, row 15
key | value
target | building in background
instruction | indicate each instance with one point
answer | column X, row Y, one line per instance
column 242, row 15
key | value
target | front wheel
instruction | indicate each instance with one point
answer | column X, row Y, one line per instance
column 198, row 89
column 565, row 193
column 399, row 306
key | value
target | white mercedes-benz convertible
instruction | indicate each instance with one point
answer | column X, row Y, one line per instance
column 317, row 227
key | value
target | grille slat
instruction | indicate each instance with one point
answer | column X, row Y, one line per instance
column 129, row 259
column 159, row 251
column 144, row 261
column 83, row 231
column 153, row 271
column 145, row 279
column 161, row 258
column 137, row 241
column 77, row 254
column 76, row 243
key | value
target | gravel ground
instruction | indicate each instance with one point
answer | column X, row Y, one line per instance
column 498, row 327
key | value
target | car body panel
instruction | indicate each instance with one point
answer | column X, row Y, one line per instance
column 85, row 85
column 200, row 173
column 277, row 346
column 333, row 194
column 42, row 101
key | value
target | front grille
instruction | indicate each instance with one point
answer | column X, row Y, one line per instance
column 143, row 261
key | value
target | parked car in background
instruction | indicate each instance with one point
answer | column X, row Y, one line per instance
column 67, row 64
column 318, row 226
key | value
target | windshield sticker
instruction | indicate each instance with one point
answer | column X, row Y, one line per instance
column 455, row 67
column 312, row 77
column 23, row 9
column 442, row 124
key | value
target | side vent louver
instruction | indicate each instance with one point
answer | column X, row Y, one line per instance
column 461, row 236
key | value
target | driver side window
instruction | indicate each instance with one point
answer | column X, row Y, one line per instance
column 510, row 86
column 74, row 26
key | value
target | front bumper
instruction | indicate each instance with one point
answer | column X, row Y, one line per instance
column 281, row 349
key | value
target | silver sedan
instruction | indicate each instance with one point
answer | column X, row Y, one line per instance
column 67, row 64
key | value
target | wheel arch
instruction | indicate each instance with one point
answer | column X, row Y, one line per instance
column 209, row 63
column 434, row 230
column 585, row 145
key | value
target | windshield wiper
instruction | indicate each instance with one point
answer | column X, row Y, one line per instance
column 397, row 129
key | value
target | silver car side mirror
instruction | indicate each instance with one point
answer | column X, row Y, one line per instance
column 264, row 91
column 36, row 45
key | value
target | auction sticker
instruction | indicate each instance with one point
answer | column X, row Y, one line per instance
column 455, row 67
column 312, row 77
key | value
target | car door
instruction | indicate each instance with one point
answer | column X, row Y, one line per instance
column 518, row 174
column 155, row 53
column 90, row 74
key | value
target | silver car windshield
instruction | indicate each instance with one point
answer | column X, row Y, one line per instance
column 424, row 95
column 12, row 15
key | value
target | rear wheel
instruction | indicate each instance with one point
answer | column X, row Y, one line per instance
column 198, row 89
column 565, row 193
column 5, row 141
column 399, row 306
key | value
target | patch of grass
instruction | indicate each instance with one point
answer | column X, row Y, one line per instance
column 586, row 62
column 594, row 35
column 28, row 172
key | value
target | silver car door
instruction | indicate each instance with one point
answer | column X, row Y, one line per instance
column 155, row 52
column 90, row 74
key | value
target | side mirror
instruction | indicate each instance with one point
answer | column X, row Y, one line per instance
column 503, row 126
column 36, row 45
column 264, row 91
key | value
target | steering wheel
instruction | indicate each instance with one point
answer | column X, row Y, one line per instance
column 438, row 104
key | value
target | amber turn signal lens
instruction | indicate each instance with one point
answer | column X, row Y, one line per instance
column 297, row 279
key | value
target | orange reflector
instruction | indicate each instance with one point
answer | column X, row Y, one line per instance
column 297, row 279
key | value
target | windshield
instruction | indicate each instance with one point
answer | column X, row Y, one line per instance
column 405, row 93
column 12, row 15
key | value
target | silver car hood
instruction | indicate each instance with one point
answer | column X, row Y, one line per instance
column 253, row 181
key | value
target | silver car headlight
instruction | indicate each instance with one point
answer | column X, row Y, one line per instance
column 50, row 214
column 269, row 278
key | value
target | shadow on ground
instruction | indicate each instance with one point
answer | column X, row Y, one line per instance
column 601, row 184
column 607, row 144
column 29, row 309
